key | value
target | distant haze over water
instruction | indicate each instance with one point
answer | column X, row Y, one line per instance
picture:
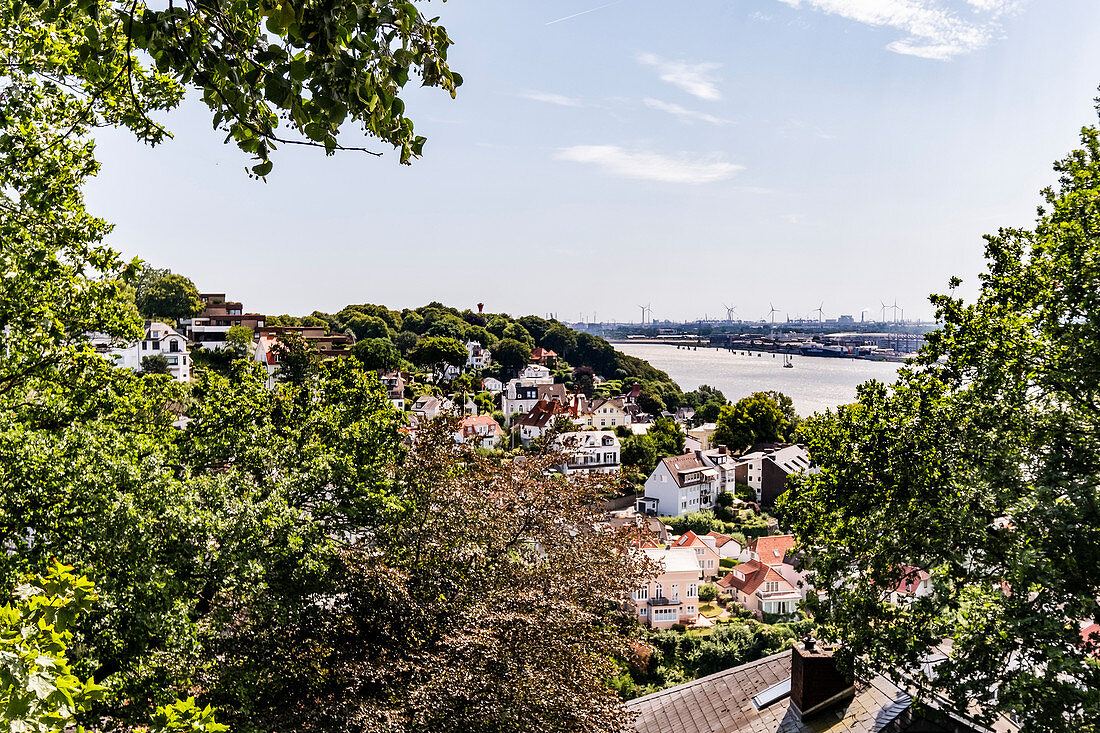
column 815, row 384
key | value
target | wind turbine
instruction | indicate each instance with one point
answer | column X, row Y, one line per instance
column 772, row 312
column 884, row 306
column 644, row 308
column 820, row 313
column 895, row 307
column 730, row 310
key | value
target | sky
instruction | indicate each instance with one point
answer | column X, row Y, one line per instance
column 793, row 154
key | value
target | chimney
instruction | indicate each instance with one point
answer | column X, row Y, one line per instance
column 816, row 683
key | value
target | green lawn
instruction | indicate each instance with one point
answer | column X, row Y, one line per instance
column 710, row 610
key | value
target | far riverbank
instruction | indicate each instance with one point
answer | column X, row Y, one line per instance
column 814, row 384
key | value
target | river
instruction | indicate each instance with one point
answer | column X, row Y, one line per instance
column 814, row 384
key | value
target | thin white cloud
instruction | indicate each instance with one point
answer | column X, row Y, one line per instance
column 697, row 79
column 685, row 114
column 550, row 98
column 649, row 166
column 934, row 31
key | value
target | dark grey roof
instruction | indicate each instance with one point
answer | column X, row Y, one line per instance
column 722, row 703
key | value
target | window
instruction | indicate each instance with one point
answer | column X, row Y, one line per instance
column 173, row 360
column 643, row 611
column 156, row 346
column 173, row 345
column 144, row 345
column 710, row 564
column 663, row 478
column 699, row 550
column 693, row 591
column 771, row 586
column 660, row 592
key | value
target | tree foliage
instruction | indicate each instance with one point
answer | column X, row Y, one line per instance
column 762, row 417
column 166, row 295
column 987, row 446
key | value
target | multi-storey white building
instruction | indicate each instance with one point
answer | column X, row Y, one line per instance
column 159, row 338
column 595, row 451
column 681, row 484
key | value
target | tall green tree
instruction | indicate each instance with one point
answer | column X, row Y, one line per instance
column 379, row 355
column 762, row 417
column 438, row 352
column 981, row 467
column 165, row 295
column 512, row 354
column 297, row 358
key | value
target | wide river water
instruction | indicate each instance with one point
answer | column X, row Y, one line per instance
column 815, row 384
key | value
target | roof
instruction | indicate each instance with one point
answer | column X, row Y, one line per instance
column 911, row 577
column 550, row 391
column 690, row 539
column 791, row 459
column 543, row 413
column 722, row 703
column 719, row 538
column 674, row 560
column 687, row 463
column 755, row 574
column 771, row 550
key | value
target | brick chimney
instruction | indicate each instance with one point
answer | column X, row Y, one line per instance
column 816, row 683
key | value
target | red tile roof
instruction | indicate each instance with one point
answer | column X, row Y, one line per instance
column 687, row 539
column 910, row 578
column 719, row 538
column 755, row 574
column 1091, row 635
column 772, row 550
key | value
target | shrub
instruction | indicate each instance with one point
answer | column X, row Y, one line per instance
column 708, row 593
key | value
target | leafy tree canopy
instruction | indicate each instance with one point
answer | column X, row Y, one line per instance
column 980, row 468
column 377, row 354
column 762, row 417
column 166, row 295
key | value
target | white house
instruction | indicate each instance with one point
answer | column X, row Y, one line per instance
column 606, row 413
column 593, row 451
column 395, row 388
column 479, row 358
column 536, row 372
column 159, row 338
column 522, row 395
column 492, row 384
column 680, row 484
column 482, row 429
column 428, row 407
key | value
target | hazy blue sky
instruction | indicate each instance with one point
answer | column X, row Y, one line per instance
column 685, row 154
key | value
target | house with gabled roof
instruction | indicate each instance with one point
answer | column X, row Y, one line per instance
column 545, row 357
column 480, row 429
column 761, row 589
column 726, row 546
column 680, row 484
column 605, row 413
column 705, row 552
column 590, row 451
column 770, row 550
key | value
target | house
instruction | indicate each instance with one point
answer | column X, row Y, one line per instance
column 727, row 547
column 650, row 527
column 797, row 691
column 765, row 469
column 481, row 429
column 208, row 329
column 605, row 413
column 706, row 552
column 544, row 357
column 535, row 372
column 492, row 384
column 159, row 338
column 538, row 421
column 723, row 461
column 327, row 345
column 673, row 596
column 428, row 407
column 703, row 433
column 685, row 415
column 680, row 484
column 479, row 358
column 770, row 550
column 914, row 583
column 522, row 395
column 394, row 382
column 593, row 451
column 761, row 589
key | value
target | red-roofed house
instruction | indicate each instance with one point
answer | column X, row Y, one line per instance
column 726, row 545
column 482, row 429
column 546, row 357
column 913, row 584
column 1090, row 639
column 761, row 589
column 705, row 552
column 771, row 550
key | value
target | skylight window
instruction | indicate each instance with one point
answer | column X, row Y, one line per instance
column 772, row 695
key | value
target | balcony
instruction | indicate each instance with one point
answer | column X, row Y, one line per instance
column 665, row 602
column 778, row 595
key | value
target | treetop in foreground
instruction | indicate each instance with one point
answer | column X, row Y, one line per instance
column 981, row 466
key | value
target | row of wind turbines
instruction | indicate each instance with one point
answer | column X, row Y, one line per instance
column 898, row 312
